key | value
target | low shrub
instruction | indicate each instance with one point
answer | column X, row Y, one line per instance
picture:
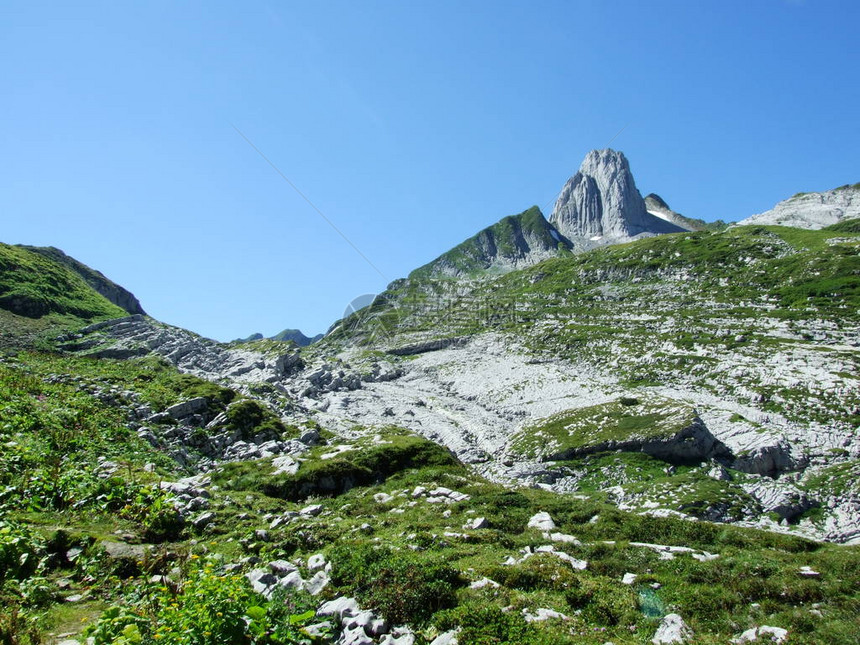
column 251, row 418
column 603, row 601
column 489, row 625
column 402, row 586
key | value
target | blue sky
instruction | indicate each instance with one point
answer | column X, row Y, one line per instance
column 410, row 125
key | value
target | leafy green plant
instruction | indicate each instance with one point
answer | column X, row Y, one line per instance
column 207, row 607
column 489, row 625
column 20, row 550
column 153, row 509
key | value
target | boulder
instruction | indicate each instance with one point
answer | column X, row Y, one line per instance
column 672, row 629
column 542, row 522
column 339, row 608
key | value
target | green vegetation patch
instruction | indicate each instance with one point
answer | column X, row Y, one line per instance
column 327, row 471
column 153, row 379
column 406, row 586
column 602, row 427
column 837, row 480
column 845, row 226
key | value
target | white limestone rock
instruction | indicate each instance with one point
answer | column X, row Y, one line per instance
column 672, row 629
column 765, row 632
column 339, row 608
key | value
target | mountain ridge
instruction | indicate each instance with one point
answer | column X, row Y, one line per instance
column 512, row 242
column 812, row 210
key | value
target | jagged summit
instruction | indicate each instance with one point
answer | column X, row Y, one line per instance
column 601, row 203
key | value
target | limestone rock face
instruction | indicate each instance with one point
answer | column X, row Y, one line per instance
column 601, row 202
column 812, row 210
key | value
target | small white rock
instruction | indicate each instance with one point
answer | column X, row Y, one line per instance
column 312, row 510
column 484, row 582
column 765, row 632
column 316, row 561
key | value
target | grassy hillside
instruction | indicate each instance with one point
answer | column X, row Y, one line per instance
column 96, row 279
column 40, row 297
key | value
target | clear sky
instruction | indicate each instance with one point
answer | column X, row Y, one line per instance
column 411, row 125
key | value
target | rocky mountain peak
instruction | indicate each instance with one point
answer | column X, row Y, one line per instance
column 601, row 202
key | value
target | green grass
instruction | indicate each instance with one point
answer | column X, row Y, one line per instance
column 155, row 381
column 388, row 565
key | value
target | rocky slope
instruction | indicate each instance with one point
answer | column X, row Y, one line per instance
column 770, row 365
column 812, row 210
column 483, row 367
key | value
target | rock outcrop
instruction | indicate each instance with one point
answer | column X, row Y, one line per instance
column 600, row 203
column 812, row 210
